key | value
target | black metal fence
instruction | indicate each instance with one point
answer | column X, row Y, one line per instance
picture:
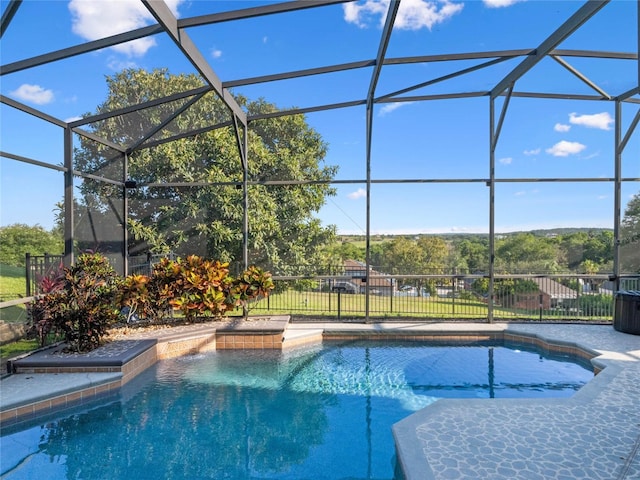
column 143, row 264
column 446, row 297
column 38, row 267
column 341, row 293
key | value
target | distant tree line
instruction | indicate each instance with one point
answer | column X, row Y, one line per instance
column 587, row 252
column 581, row 252
column 541, row 252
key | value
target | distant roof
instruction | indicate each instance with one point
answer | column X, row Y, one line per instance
column 554, row 289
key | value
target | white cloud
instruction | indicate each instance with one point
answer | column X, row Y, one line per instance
column 95, row 19
column 34, row 94
column 601, row 197
column 390, row 107
column 564, row 149
column 412, row 14
column 520, row 193
column 117, row 64
column 72, row 119
column 360, row 193
column 602, row 120
column 265, row 39
column 561, row 127
column 535, row 151
column 506, row 160
column 215, row 53
column 499, row 3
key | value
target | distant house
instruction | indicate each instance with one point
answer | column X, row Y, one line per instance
column 358, row 273
column 551, row 294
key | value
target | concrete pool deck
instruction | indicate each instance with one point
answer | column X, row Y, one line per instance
column 593, row 435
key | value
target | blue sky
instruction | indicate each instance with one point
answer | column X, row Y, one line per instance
column 434, row 140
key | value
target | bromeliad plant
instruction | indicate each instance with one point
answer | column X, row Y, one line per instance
column 40, row 310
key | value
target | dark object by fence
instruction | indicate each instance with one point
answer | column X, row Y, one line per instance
column 626, row 317
column 38, row 267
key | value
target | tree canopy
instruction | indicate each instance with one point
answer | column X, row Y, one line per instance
column 168, row 214
column 18, row 239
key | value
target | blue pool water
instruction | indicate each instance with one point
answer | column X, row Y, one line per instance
column 314, row 413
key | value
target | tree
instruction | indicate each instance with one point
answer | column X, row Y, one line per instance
column 425, row 256
column 594, row 247
column 630, row 236
column 526, row 253
column 206, row 219
column 474, row 252
column 18, row 239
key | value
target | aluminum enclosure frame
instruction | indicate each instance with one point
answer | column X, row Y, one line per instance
column 177, row 30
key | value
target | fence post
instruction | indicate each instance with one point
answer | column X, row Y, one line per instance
column 27, row 264
column 541, row 305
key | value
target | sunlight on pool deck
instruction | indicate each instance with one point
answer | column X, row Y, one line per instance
column 593, row 435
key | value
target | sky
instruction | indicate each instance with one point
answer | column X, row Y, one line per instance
column 441, row 146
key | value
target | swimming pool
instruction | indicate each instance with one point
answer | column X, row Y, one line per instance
column 313, row 413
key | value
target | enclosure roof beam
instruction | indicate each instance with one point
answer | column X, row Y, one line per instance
column 495, row 55
column 383, row 181
column 190, row 133
column 628, row 94
column 444, row 77
column 582, row 77
column 255, row 12
column 394, row 5
column 632, row 127
column 32, row 111
column 80, row 49
column 96, row 138
column 8, row 14
column 32, row 161
column 297, row 111
column 565, row 30
column 163, row 15
column 140, row 106
column 164, row 123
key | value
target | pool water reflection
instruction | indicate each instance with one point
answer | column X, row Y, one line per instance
column 319, row 412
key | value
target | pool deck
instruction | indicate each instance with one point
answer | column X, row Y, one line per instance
column 593, row 435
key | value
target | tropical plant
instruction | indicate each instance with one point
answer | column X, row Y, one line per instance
column 81, row 304
column 194, row 286
column 253, row 284
column 133, row 295
column 201, row 288
column 42, row 309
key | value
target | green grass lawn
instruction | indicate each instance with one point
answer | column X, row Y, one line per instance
column 12, row 286
column 12, row 282
column 325, row 303
column 14, row 349
column 350, row 305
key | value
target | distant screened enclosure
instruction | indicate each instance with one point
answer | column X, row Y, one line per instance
column 475, row 93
